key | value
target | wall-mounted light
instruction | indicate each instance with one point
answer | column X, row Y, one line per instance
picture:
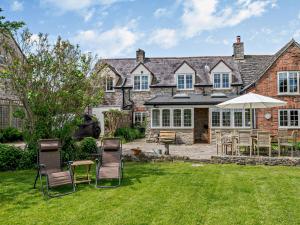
column 268, row 116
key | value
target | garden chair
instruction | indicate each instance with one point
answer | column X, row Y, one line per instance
column 219, row 141
column 244, row 141
column 110, row 166
column 49, row 165
column 263, row 140
column 287, row 142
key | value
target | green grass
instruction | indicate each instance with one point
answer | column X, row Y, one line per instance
column 163, row 193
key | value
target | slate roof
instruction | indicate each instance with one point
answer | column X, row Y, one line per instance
column 245, row 72
column 164, row 68
column 193, row 99
column 251, row 66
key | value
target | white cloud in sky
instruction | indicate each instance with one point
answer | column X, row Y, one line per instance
column 204, row 15
column 160, row 12
column 165, row 38
column 117, row 41
column 17, row 6
column 88, row 14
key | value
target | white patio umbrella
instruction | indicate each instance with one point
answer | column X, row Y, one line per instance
column 251, row 101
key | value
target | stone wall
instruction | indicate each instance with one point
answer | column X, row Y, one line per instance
column 183, row 136
column 245, row 160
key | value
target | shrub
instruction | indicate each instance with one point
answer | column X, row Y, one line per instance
column 129, row 134
column 10, row 134
column 10, row 157
column 86, row 147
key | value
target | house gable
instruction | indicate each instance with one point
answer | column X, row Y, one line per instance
column 183, row 70
column 221, row 67
column 140, row 69
column 290, row 50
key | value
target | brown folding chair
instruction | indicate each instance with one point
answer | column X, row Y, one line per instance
column 49, row 165
column 111, row 164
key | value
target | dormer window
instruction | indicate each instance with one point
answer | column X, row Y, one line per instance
column 109, row 84
column 185, row 81
column 141, row 82
column 221, row 80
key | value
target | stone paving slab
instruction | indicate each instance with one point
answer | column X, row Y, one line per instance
column 196, row 151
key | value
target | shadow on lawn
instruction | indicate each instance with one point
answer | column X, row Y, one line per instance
column 17, row 187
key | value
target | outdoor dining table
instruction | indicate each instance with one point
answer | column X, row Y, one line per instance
column 87, row 164
column 234, row 139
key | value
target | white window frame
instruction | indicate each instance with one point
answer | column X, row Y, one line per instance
column 289, row 119
column 141, row 117
column 232, row 125
column 288, row 83
column 172, row 119
column 113, row 88
column 184, row 81
column 140, row 85
column 221, row 80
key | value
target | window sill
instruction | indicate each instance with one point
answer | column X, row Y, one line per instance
column 185, row 89
column 220, row 89
column 230, row 128
column 141, row 90
column 290, row 128
column 288, row 94
column 172, row 128
column 109, row 91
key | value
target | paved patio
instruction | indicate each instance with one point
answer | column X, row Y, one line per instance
column 196, row 151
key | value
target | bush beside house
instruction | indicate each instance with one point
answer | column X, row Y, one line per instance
column 128, row 134
column 10, row 134
column 12, row 158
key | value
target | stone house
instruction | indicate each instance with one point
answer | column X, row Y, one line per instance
column 9, row 102
column 181, row 93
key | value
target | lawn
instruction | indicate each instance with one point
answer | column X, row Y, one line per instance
column 163, row 193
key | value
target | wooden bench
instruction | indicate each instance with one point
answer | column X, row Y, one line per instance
column 167, row 137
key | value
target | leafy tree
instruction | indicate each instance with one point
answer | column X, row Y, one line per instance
column 55, row 83
column 113, row 118
column 10, row 26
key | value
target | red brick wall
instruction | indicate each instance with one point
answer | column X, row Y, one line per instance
column 267, row 85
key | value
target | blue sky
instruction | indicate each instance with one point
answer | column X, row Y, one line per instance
column 116, row 28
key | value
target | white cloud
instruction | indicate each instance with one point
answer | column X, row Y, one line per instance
column 117, row 41
column 207, row 15
column 16, row 6
column 75, row 5
column 165, row 38
column 160, row 12
column 88, row 15
column 85, row 8
column 212, row 40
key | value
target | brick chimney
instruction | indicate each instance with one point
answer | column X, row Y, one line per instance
column 238, row 49
column 140, row 55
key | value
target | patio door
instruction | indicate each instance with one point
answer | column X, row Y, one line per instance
column 201, row 128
